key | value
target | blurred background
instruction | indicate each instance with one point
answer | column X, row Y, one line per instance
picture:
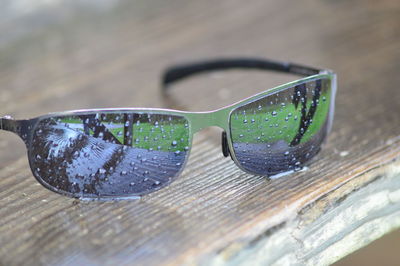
column 72, row 54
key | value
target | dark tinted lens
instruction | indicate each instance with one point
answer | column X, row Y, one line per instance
column 281, row 131
column 109, row 154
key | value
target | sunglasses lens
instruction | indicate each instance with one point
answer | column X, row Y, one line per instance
column 282, row 131
column 109, row 154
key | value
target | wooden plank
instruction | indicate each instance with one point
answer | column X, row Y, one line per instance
column 214, row 213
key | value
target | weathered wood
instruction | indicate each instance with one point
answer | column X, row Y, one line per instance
column 214, row 213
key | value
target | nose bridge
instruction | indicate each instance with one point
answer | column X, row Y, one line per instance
column 200, row 120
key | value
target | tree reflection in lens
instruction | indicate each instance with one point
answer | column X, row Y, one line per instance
column 109, row 154
column 282, row 131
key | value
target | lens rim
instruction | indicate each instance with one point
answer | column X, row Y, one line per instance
column 106, row 111
column 329, row 76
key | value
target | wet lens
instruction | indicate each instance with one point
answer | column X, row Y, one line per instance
column 281, row 131
column 109, row 154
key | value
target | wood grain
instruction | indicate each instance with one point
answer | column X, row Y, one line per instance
column 77, row 56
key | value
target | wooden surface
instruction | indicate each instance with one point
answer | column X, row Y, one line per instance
column 73, row 54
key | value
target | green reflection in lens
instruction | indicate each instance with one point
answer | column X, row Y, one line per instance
column 149, row 131
column 266, row 121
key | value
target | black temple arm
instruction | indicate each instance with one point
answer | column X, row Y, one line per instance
column 176, row 73
column 22, row 128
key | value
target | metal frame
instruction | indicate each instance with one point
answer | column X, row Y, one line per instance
column 197, row 120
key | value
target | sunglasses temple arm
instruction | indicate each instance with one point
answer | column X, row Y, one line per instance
column 20, row 127
column 179, row 72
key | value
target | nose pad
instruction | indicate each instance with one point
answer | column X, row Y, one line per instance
column 225, row 147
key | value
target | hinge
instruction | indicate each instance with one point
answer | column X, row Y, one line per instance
column 5, row 122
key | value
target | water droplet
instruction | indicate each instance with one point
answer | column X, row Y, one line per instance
column 102, row 171
column 245, row 121
column 177, row 152
column 132, row 184
column 274, row 113
column 174, row 143
column 124, row 173
column 286, row 153
column 186, row 148
column 298, row 168
column 241, row 136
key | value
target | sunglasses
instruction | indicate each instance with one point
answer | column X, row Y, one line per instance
column 124, row 153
